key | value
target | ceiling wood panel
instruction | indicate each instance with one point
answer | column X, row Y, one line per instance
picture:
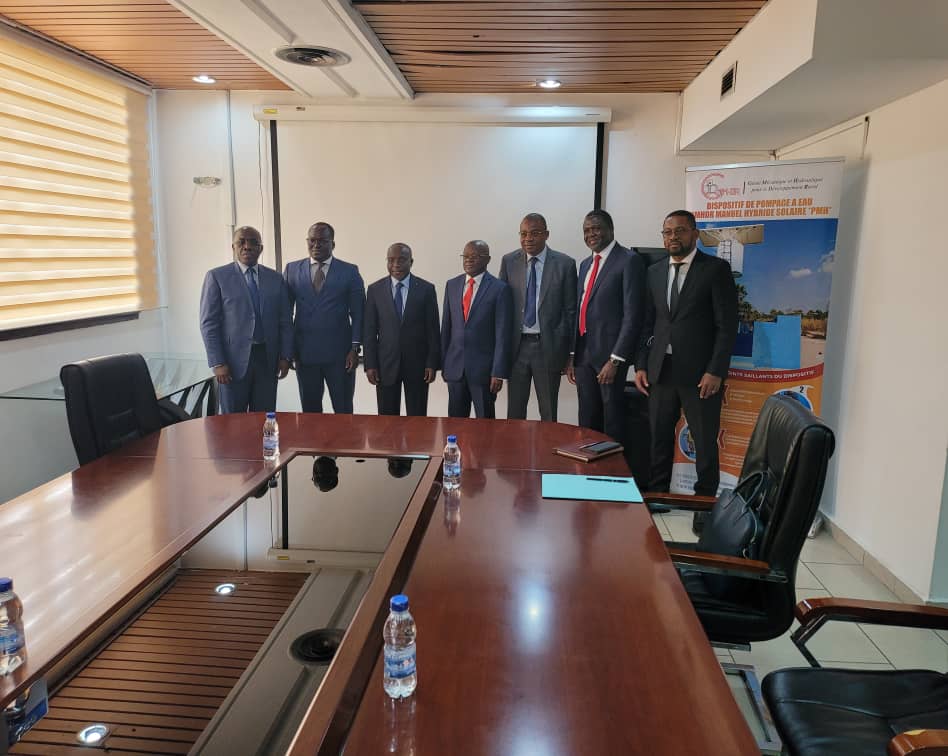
column 152, row 40
column 589, row 45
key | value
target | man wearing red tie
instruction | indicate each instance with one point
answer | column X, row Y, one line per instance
column 475, row 335
column 611, row 294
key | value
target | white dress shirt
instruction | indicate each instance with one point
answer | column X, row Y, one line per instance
column 682, row 272
column 477, row 287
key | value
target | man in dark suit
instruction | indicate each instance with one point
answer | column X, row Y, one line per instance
column 245, row 324
column 475, row 335
column 401, row 339
column 611, row 295
column 329, row 300
column 689, row 332
column 543, row 284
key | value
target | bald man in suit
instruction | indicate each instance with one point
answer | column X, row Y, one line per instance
column 543, row 285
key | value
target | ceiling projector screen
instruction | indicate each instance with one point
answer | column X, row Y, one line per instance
column 433, row 186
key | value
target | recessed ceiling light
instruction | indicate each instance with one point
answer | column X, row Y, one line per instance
column 225, row 589
column 93, row 734
column 204, row 79
column 549, row 84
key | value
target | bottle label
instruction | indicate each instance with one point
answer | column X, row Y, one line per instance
column 11, row 640
column 401, row 663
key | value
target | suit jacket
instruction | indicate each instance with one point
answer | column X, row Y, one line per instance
column 556, row 300
column 704, row 328
column 479, row 348
column 228, row 319
column 401, row 347
column 325, row 324
column 616, row 306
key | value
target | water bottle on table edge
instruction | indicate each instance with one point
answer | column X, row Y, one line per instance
column 452, row 465
column 399, row 633
column 12, row 640
column 271, row 437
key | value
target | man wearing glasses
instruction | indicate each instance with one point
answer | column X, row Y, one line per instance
column 475, row 335
column 245, row 324
column 329, row 300
column 543, row 285
column 689, row 332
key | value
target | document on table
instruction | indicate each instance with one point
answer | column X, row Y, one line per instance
column 590, row 488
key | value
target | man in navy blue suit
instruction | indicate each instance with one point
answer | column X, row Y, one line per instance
column 245, row 324
column 329, row 299
column 475, row 335
column 611, row 296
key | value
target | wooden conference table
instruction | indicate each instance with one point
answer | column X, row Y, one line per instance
column 548, row 627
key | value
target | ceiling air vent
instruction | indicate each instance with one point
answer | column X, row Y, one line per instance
column 728, row 80
column 310, row 55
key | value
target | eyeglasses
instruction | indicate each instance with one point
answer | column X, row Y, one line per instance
column 678, row 231
column 532, row 234
column 473, row 258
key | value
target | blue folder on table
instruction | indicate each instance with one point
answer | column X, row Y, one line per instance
column 590, row 488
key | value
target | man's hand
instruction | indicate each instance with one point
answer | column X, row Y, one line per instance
column 641, row 382
column 283, row 367
column 430, row 374
column 496, row 384
column 608, row 373
column 708, row 386
column 570, row 371
column 222, row 373
column 373, row 375
column 352, row 359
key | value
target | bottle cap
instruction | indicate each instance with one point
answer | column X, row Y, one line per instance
column 271, row 415
column 452, row 439
column 399, row 603
column 6, row 584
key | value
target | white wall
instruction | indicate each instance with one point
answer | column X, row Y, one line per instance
column 644, row 181
column 887, row 352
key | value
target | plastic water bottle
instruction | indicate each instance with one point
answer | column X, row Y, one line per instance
column 452, row 464
column 12, row 640
column 399, row 655
column 271, row 437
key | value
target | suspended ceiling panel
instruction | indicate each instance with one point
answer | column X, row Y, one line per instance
column 149, row 38
column 588, row 45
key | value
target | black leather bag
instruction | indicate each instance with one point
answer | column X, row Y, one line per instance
column 734, row 528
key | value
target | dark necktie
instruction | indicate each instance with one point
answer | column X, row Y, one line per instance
column 530, row 307
column 319, row 278
column 673, row 299
column 399, row 307
column 255, row 299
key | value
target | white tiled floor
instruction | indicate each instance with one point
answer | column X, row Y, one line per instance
column 827, row 569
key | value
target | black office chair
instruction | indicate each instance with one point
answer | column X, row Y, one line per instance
column 111, row 401
column 793, row 447
column 842, row 712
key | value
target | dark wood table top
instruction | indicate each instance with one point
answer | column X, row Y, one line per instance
column 550, row 627
column 540, row 622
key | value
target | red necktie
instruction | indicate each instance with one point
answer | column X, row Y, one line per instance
column 587, row 293
column 468, row 296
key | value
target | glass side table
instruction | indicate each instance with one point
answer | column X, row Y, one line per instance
column 37, row 415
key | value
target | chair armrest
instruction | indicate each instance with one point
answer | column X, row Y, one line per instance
column 717, row 563
column 813, row 610
column 681, row 501
column 925, row 742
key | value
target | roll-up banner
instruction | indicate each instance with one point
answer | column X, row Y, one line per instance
column 775, row 223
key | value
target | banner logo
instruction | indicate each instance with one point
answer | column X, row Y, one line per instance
column 712, row 189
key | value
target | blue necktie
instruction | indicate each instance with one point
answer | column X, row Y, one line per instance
column 255, row 298
column 530, row 307
column 399, row 307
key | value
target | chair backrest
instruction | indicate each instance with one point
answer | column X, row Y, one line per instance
column 794, row 447
column 109, row 401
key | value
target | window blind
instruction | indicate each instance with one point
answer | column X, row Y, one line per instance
column 76, row 228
